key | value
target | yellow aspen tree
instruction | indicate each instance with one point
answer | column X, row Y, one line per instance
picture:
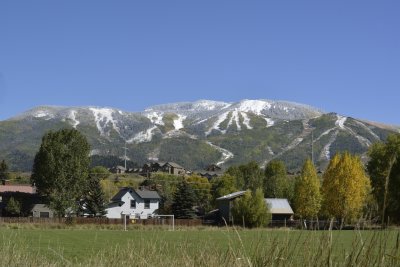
column 307, row 199
column 345, row 188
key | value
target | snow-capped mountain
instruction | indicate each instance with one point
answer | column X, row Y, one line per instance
column 196, row 134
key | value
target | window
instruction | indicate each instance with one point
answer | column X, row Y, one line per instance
column 44, row 214
column 133, row 204
column 147, row 204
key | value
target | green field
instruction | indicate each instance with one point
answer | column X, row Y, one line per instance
column 197, row 247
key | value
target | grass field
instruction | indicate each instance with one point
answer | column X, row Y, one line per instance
column 197, row 247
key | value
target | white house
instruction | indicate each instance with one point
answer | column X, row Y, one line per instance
column 133, row 203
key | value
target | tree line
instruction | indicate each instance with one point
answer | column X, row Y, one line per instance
column 347, row 191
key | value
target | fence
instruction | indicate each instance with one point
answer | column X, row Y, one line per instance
column 83, row 220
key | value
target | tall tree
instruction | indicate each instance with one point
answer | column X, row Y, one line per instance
column 202, row 192
column 184, row 200
column 345, row 188
column 61, row 169
column 384, row 170
column 4, row 175
column 223, row 185
column 248, row 176
column 93, row 202
column 276, row 184
column 307, row 197
column 13, row 207
column 251, row 210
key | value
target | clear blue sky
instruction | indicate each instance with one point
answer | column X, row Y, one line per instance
column 341, row 56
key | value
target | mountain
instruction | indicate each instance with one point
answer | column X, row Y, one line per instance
column 196, row 134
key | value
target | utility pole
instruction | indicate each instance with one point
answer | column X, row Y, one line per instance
column 125, row 149
column 312, row 146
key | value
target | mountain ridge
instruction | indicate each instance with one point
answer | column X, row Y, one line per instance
column 195, row 134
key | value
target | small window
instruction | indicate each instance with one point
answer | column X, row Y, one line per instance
column 147, row 204
column 133, row 204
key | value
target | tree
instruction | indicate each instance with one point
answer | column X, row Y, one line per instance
column 276, row 184
column 384, row 169
column 223, row 185
column 345, row 188
column 100, row 171
column 251, row 210
column 201, row 187
column 61, row 168
column 248, row 176
column 94, row 198
column 307, row 197
column 184, row 200
column 13, row 207
column 4, row 175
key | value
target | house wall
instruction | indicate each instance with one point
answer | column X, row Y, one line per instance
column 224, row 207
column 115, row 211
column 36, row 212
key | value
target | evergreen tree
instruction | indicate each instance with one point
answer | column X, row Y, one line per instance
column 94, row 199
column 276, row 183
column 345, row 188
column 13, row 207
column 61, row 168
column 184, row 200
column 307, row 197
column 201, row 187
column 251, row 210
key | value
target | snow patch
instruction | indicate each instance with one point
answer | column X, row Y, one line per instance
column 246, row 120
column 368, row 129
column 72, row 117
column 324, row 133
column 270, row 122
column 155, row 117
column 43, row 114
column 209, row 105
column 254, row 106
column 103, row 117
column 178, row 123
column 220, row 119
column 226, row 154
column 270, row 151
column 340, row 121
column 326, row 151
column 144, row 136
column 235, row 118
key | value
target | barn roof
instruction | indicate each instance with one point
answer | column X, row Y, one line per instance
column 232, row 195
column 279, row 206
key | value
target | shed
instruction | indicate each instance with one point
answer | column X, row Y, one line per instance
column 42, row 211
column 279, row 208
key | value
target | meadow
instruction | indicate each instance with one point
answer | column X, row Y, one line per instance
column 201, row 246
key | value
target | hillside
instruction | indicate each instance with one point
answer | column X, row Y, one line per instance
column 196, row 134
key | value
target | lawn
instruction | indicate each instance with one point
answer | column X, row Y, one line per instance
column 202, row 246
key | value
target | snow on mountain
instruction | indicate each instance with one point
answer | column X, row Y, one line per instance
column 104, row 117
column 178, row 123
column 144, row 136
column 226, row 154
column 254, row 106
column 155, row 117
column 340, row 121
column 72, row 117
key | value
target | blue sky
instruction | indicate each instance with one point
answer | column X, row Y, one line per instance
column 341, row 56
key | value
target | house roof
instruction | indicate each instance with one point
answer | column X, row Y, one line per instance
column 279, row 206
column 144, row 194
column 232, row 195
column 18, row 188
column 173, row 164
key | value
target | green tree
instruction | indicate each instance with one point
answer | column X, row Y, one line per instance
column 345, row 188
column 100, row 171
column 384, row 169
column 223, row 185
column 202, row 191
column 13, row 207
column 307, row 197
column 184, row 200
column 251, row 210
column 94, row 198
column 4, row 175
column 276, row 184
column 248, row 176
column 61, row 169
